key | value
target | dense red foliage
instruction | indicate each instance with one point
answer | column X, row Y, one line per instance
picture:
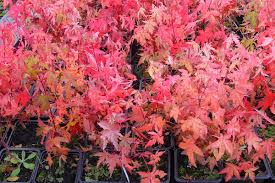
column 213, row 75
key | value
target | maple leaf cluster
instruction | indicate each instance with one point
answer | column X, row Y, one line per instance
column 212, row 78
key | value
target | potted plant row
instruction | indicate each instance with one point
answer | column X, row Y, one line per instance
column 72, row 167
column 31, row 165
column 184, row 172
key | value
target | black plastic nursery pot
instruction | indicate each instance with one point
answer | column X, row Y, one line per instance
column 164, row 165
column 25, row 135
column 181, row 166
column 262, row 175
column 9, row 165
column 89, row 172
column 271, row 167
column 273, row 174
column 59, row 171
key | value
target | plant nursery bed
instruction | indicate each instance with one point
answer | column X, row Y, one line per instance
column 60, row 171
column 137, row 91
column 18, row 164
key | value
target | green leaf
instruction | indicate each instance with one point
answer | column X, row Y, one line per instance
column 15, row 172
column 7, row 158
column 59, row 179
column 23, row 155
column 29, row 166
column 31, row 156
column 14, row 160
column 12, row 179
column 15, row 156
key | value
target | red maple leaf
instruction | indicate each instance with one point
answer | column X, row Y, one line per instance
column 110, row 133
column 268, row 100
column 23, row 98
column 269, row 147
column 137, row 114
column 152, row 176
column 156, row 137
column 252, row 140
column 191, row 149
column 222, row 144
column 110, row 159
column 249, row 170
column 231, row 170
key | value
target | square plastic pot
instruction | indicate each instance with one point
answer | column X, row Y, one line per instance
column 3, row 152
column 81, row 171
column 168, row 166
column 180, row 180
column 72, row 152
column 258, row 179
column 272, row 174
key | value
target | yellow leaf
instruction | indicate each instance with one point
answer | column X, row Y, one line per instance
column 249, row 44
column 60, row 17
column 43, row 102
column 71, row 123
column 252, row 18
column 32, row 66
column 12, row 178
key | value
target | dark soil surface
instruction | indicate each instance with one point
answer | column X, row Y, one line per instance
column 25, row 136
column 59, row 172
column 78, row 142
